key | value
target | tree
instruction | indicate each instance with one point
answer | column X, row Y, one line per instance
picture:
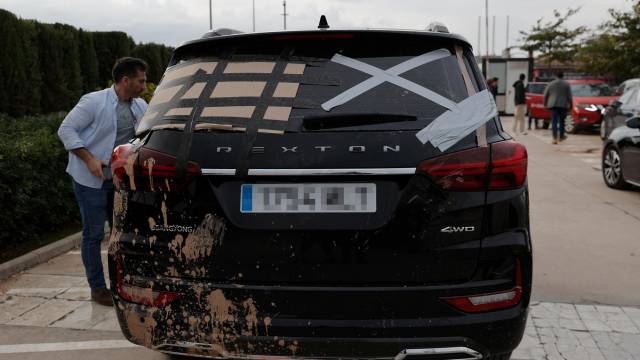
column 88, row 61
column 110, row 46
column 614, row 49
column 553, row 40
column 157, row 57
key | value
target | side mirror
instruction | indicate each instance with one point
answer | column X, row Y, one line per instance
column 634, row 122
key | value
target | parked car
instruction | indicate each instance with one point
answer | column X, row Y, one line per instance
column 627, row 85
column 620, row 110
column 590, row 97
column 535, row 103
column 621, row 156
column 279, row 199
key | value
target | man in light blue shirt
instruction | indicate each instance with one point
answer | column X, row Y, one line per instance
column 99, row 122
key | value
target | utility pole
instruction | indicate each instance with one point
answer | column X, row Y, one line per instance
column 486, row 25
column 284, row 14
column 493, row 37
column 479, row 50
column 210, row 17
column 254, row 15
column 507, row 42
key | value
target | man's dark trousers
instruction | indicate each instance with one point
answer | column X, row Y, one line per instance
column 557, row 121
column 96, row 206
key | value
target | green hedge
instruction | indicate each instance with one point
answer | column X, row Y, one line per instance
column 47, row 67
column 36, row 194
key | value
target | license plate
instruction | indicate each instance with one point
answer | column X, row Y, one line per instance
column 308, row 198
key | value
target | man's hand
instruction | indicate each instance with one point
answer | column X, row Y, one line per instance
column 94, row 164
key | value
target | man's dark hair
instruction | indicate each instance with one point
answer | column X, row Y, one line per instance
column 522, row 76
column 495, row 79
column 560, row 74
column 127, row 66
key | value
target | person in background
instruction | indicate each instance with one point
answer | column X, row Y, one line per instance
column 521, row 106
column 558, row 99
column 99, row 122
column 492, row 84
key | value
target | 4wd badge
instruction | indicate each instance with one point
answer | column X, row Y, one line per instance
column 458, row 229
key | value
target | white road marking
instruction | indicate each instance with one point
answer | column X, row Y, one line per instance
column 33, row 291
column 66, row 346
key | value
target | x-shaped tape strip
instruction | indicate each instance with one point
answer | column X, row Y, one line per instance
column 446, row 130
column 380, row 76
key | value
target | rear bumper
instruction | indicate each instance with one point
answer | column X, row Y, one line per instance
column 249, row 321
column 473, row 335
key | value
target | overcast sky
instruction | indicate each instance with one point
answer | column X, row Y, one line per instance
column 172, row 22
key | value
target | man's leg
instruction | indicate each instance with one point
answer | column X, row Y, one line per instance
column 108, row 187
column 521, row 110
column 562, row 114
column 93, row 203
column 554, row 124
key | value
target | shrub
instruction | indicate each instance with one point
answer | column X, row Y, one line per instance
column 36, row 194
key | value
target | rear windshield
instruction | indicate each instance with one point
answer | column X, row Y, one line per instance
column 536, row 88
column 592, row 90
column 276, row 83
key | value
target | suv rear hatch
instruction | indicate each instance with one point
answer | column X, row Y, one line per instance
column 306, row 118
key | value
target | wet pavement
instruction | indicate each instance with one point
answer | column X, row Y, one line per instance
column 45, row 311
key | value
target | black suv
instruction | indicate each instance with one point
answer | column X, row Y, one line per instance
column 322, row 194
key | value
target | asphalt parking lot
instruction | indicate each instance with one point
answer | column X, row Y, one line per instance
column 586, row 265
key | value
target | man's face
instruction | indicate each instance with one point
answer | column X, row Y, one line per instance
column 135, row 85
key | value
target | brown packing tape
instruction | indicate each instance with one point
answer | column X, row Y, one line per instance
column 195, row 91
column 269, row 131
column 294, row 69
column 280, row 113
column 179, row 112
column 229, row 111
column 225, row 89
column 169, row 126
column 214, row 127
column 189, row 70
column 254, row 67
column 286, row 90
column 164, row 95
column 148, row 116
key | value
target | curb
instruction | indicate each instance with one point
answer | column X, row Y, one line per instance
column 40, row 255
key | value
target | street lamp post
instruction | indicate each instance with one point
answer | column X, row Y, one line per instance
column 210, row 17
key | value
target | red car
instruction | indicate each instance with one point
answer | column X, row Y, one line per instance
column 589, row 98
column 534, row 94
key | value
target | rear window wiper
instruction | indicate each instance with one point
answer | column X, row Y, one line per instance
column 349, row 120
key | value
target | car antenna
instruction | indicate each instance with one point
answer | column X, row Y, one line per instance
column 323, row 23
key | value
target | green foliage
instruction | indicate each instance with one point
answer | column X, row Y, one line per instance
column 553, row 40
column 88, row 61
column 157, row 57
column 47, row 67
column 148, row 92
column 109, row 47
column 614, row 49
column 35, row 192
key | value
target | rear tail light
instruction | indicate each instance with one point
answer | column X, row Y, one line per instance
column 149, row 170
column 508, row 165
column 142, row 295
column 490, row 301
column 501, row 166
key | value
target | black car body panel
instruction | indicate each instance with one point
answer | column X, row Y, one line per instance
column 442, row 259
column 615, row 115
column 625, row 141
